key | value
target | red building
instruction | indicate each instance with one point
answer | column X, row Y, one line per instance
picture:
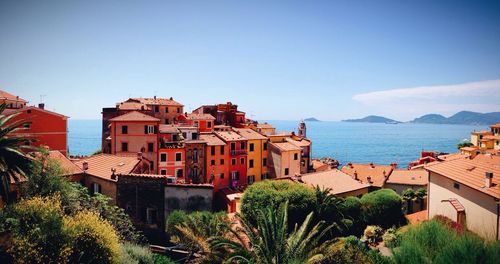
column 225, row 114
column 135, row 132
column 171, row 153
column 237, row 157
column 47, row 128
column 204, row 122
column 216, row 161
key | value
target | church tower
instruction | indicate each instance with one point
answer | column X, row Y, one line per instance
column 302, row 129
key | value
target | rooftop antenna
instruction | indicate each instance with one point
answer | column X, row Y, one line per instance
column 41, row 97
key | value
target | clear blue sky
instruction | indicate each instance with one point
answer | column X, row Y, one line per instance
column 276, row 59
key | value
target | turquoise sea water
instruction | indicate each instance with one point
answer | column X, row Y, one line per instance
column 355, row 142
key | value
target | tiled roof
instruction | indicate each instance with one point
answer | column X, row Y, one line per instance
column 195, row 116
column 285, row 146
column 156, row 101
column 135, row 116
column 471, row 172
column 212, row 140
column 482, row 132
column 249, row 133
column 132, row 106
column 408, row 177
column 155, row 176
column 318, row 165
column 495, row 126
column 299, row 143
column 491, row 137
column 375, row 172
column 264, row 125
column 334, row 179
column 168, row 129
column 8, row 96
column 67, row 165
column 229, row 136
column 417, row 217
column 100, row 165
column 469, row 148
column 452, row 156
column 33, row 108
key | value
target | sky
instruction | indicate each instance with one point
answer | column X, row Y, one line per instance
column 278, row 60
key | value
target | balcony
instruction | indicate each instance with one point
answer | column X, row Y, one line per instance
column 170, row 145
column 237, row 152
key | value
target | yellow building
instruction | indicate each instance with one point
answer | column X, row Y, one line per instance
column 477, row 136
column 257, row 154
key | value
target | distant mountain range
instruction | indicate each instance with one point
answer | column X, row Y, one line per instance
column 460, row 118
column 311, row 119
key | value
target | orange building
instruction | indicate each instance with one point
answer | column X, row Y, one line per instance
column 203, row 122
column 12, row 101
column 237, row 156
column 135, row 132
column 47, row 128
column 216, row 161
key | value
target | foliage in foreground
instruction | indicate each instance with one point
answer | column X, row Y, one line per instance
column 435, row 242
column 135, row 254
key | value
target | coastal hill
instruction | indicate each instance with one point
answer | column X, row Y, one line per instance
column 461, row 118
column 373, row 119
column 311, row 119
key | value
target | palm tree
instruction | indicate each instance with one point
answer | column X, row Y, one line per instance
column 268, row 242
column 420, row 195
column 13, row 162
column 464, row 143
column 408, row 195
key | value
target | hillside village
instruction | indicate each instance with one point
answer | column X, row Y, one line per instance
column 157, row 159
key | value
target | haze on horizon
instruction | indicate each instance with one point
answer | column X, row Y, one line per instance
column 283, row 60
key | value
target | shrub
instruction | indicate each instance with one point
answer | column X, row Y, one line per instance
column 175, row 218
column 391, row 238
column 258, row 196
column 135, row 254
column 93, row 240
column 373, row 234
column 383, row 208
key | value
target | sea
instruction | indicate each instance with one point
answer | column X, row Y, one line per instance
column 343, row 141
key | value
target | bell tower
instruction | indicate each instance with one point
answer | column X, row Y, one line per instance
column 302, row 129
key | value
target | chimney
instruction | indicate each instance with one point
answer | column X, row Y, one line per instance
column 371, row 165
column 85, row 166
column 139, row 155
column 41, row 105
column 171, row 98
column 154, row 97
column 355, row 175
column 113, row 175
column 349, row 164
column 394, row 165
column 369, row 179
column 488, row 179
column 385, row 174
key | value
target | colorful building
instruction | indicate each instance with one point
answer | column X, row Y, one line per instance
column 257, row 154
column 216, row 161
column 134, row 133
column 12, row 101
column 195, row 161
column 171, row 153
column 372, row 174
column 283, row 159
column 237, row 157
column 225, row 114
column 203, row 122
column 338, row 182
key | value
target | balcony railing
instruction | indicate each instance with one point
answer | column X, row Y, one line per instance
column 173, row 144
column 236, row 152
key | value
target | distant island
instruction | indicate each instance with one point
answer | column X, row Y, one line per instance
column 374, row 119
column 460, row 118
column 312, row 119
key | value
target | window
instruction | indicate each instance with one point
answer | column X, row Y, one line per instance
column 166, row 109
column 29, row 111
column 196, row 123
column 233, row 161
column 124, row 146
column 124, row 129
column 194, row 136
column 157, row 109
column 212, row 162
column 151, row 216
column 212, row 150
column 250, row 179
column 179, row 173
column 167, row 121
column 96, row 187
column 233, row 146
column 251, row 147
column 222, row 175
column 178, row 156
column 163, row 157
column 221, row 161
column 163, row 172
column 151, row 165
column 27, row 125
column 286, row 171
column 242, row 160
column 149, row 129
column 264, row 176
column 264, row 162
column 295, row 156
column 456, row 186
column 235, row 175
column 209, row 124
column 178, row 110
column 151, row 147
column 242, row 145
column 222, row 150
column 265, row 145
column 250, row 163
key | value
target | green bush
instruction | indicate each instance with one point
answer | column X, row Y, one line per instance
column 175, row 218
column 301, row 199
column 135, row 254
column 383, row 208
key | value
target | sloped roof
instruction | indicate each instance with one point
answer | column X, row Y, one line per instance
column 409, row 177
column 334, row 179
column 9, row 96
column 132, row 106
column 212, row 140
column 375, row 171
column 249, row 133
column 229, row 136
column 134, row 116
column 195, row 116
column 100, row 165
column 66, row 164
column 32, row 108
column 299, row 142
column 156, row 101
column 471, row 172
column 168, row 129
column 285, row 146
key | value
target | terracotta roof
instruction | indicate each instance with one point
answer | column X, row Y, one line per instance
column 7, row 96
column 33, row 108
column 264, row 125
column 495, row 126
column 155, row 176
column 66, row 164
column 408, row 177
column 194, row 116
column 452, row 156
column 285, row 146
column 418, row 217
column 249, row 133
column 491, row 137
column 132, row 106
column 299, row 143
column 229, row 136
column 471, row 172
column 319, row 166
column 212, row 140
column 168, row 129
column 135, row 116
column 482, row 132
column 334, row 179
column 469, row 148
column 100, row 165
column 156, row 101
column 375, row 172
